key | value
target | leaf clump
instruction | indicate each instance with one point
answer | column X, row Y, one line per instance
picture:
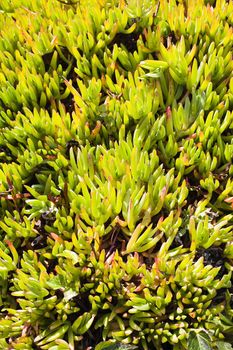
column 116, row 190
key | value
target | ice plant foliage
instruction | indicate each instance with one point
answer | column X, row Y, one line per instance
column 116, row 187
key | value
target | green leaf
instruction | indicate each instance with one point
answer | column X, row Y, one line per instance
column 106, row 345
column 199, row 341
column 222, row 345
column 70, row 294
column 56, row 282
column 153, row 64
column 153, row 74
column 69, row 255
column 111, row 345
column 35, row 287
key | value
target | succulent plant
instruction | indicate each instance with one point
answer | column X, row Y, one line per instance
column 116, row 190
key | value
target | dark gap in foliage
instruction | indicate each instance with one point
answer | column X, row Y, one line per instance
column 136, row 280
column 91, row 339
column 222, row 174
column 150, row 259
column 215, row 195
column 51, row 264
column 183, row 96
column 72, row 144
column 72, row 75
column 48, row 217
column 231, row 300
column 113, row 241
column 69, row 103
column 170, row 309
column 131, row 21
column 114, row 301
column 155, row 57
column 196, row 193
column 42, row 168
column 9, row 299
column 59, row 293
column 47, row 57
column 211, row 2
column 113, row 77
column 69, row 3
column 82, row 301
column 190, row 320
column 63, row 61
column 163, row 213
column 172, row 38
column 167, row 346
column 182, row 239
column 226, row 134
column 128, row 40
column 5, row 155
column 213, row 256
column 45, row 219
column 220, row 297
column 164, row 160
column 39, row 242
column 7, row 106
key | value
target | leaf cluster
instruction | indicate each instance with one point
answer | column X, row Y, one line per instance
column 116, row 190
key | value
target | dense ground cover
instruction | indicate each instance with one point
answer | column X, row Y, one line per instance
column 116, row 189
